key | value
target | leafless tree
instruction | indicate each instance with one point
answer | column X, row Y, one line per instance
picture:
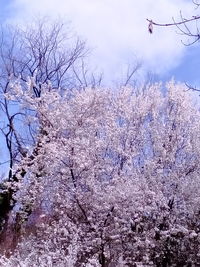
column 130, row 74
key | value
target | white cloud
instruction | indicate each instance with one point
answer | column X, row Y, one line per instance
column 117, row 29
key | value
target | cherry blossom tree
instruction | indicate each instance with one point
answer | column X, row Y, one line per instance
column 112, row 179
column 43, row 52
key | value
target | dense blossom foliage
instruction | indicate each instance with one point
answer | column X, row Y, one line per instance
column 112, row 180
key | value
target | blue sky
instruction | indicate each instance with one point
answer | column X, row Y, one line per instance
column 5, row 10
column 189, row 68
column 116, row 32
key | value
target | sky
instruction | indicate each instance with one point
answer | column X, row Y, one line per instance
column 116, row 32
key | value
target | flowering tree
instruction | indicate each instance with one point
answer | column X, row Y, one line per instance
column 47, row 52
column 112, row 180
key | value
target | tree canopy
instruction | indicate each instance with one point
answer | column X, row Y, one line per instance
column 113, row 179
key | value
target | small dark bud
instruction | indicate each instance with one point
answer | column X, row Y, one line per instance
column 150, row 27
